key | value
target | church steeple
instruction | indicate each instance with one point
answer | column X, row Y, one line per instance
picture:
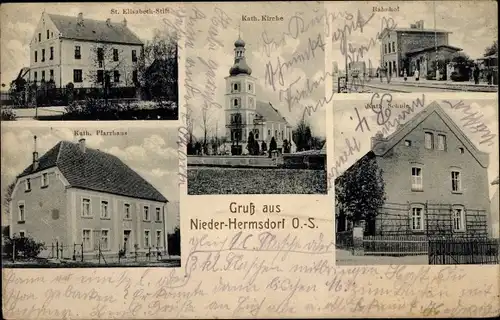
column 240, row 65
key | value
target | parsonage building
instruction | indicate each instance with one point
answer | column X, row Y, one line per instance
column 77, row 195
column 436, row 180
column 83, row 51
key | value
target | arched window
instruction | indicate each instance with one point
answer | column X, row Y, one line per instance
column 235, row 102
column 256, row 134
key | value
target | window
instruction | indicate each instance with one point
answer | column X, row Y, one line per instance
column 429, row 144
column 441, row 145
column 27, row 184
column 86, row 208
column 36, row 56
column 256, row 134
column 116, row 76
column 48, row 34
column 104, row 239
column 236, row 87
column 235, row 102
column 250, row 87
column 456, row 184
column 385, row 48
column 159, row 242
column 39, row 37
column 78, row 54
column 268, row 132
column 43, row 75
column 115, row 54
column 393, row 46
column 461, row 150
column 104, row 210
column 22, row 212
column 77, row 75
column 458, row 219
column 100, row 76
column 158, row 214
column 100, row 54
column 45, row 179
column 417, row 219
column 416, row 179
column 134, row 76
column 51, row 74
column 134, row 56
column 126, row 211
column 35, row 76
column 86, row 239
column 22, row 234
column 408, row 143
column 51, row 53
column 147, row 242
column 146, row 213
column 43, row 55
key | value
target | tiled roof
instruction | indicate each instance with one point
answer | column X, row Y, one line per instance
column 95, row 170
column 93, row 30
column 268, row 112
column 433, row 48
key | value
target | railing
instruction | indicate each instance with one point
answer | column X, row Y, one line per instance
column 464, row 251
column 395, row 245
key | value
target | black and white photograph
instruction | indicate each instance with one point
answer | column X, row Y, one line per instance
column 90, row 197
column 87, row 62
column 259, row 125
column 416, row 180
column 414, row 46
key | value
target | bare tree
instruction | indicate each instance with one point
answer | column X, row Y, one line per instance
column 205, row 123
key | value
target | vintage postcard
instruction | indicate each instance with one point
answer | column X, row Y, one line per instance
column 293, row 199
column 414, row 46
column 67, row 62
column 416, row 179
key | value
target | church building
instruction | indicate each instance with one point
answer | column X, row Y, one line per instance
column 245, row 114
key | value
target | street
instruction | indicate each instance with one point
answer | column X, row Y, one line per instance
column 29, row 113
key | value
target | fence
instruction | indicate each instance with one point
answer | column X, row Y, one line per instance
column 464, row 251
column 395, row 245
column 344, row 240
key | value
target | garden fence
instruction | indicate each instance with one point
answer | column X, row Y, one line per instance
column 464, row 251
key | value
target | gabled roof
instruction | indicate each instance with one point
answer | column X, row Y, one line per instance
column 93, row 30
column 268, row 112
column 95, row 170
column 383, row 147
column 434, row 48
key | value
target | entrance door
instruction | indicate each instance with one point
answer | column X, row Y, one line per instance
column 126, row 240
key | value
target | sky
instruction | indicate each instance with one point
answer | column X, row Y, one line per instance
column 152, row 153
column 260, row 53
column 474, row 24
column 18, row 22
column 345, row 121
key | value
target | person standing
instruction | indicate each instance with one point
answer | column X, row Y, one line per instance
column 405, row 74
column 417, row 74
column 476, row 74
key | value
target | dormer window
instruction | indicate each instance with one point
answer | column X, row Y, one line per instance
column 45, row 180
column 408, row 143
column 461, row 150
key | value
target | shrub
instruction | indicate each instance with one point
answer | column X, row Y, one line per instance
column 8, row 114
column 24, row 246
column 455, row 76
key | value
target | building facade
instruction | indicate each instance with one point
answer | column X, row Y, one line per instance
column 413, row 48
column 435, row 179
column 83, row 51
column 245, row 113
column 77, row 195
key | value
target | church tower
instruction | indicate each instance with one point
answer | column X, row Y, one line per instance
column 240, row 100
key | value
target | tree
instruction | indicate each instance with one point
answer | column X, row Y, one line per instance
column 205, row 127
column 360, row 192
column 252, row 145
column 157, row 67
column 263, row 147
column 174, row 242
column 272, row 146
column 8, row 197
column 491, row 50
column 302, row 136
column 106, row 63
column 286, row 146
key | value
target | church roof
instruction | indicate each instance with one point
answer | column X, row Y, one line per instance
column 268, row 112
column 94, row 30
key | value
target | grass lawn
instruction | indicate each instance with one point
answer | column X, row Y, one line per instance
column 206, row 180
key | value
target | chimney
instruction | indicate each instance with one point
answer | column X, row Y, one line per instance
column 35, row 156
column 124, row 22
column 378, row 138
column 81, row 143
column 79, row 20
column 108, row 22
